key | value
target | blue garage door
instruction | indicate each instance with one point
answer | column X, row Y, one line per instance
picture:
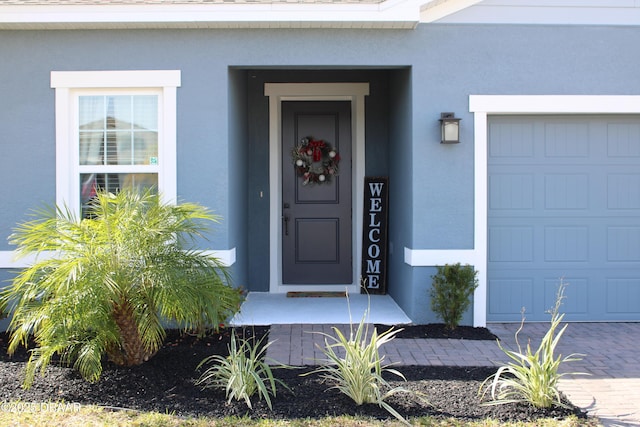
column 564, row 202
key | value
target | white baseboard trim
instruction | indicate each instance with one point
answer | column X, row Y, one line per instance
column 433, row 257
column 8, row 258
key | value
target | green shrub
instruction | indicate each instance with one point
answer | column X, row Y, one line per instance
column 243, row 373
column 114, row 280
column 532, row 376
column 358, row 374
column 451, row 292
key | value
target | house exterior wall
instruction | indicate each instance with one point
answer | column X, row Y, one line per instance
column 415, row 75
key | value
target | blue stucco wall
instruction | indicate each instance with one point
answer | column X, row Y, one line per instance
column 222, row 118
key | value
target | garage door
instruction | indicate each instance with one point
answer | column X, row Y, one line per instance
column 564, row 202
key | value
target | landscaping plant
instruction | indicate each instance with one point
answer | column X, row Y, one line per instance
column 114, row 280
column 243, row 373
column 358, row 374
column 533, row 377
column 451, row 292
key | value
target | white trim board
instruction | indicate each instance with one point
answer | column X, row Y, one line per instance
column 278, row 92
column 482, row 106
column 8, row 258
column 395, row 14
column 69, row 85
column 544, row 12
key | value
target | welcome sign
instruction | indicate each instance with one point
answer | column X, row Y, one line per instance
column 374, row 235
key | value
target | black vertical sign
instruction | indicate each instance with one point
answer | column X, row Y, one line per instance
column 374, row 235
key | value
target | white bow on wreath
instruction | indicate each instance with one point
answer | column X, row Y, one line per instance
column 315, row 160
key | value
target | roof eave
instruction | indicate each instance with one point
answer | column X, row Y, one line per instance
column 403, row 14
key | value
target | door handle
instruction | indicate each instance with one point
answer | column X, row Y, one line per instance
column 286, row 225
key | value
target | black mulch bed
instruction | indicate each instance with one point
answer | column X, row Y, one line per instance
column 440, row 331
column 166, row 384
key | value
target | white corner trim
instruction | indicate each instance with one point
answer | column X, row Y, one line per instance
column 9, row 259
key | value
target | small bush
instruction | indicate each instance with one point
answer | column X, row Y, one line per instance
column 532, row 376
column 243, row 373
column 451, row 292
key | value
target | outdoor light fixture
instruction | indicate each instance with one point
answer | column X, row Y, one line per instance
column 450, row 128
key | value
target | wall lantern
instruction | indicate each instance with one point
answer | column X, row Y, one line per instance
column 450, row 128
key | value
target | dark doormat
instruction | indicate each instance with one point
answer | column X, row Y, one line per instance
column 316, row 294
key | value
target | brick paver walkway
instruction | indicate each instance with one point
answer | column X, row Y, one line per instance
column 611, row 392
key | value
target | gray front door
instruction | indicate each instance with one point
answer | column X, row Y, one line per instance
column 317, row 223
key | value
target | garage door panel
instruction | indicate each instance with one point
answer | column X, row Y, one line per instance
column 564, row 202
column 512, row 192
column 566, row 191
column 511, row 244
column 566, row 139
column 576, row 302
column 623, row 296
column 508, row 296
column 623, row 191
column 623, row 140
column 566, row 243
column 623, row 244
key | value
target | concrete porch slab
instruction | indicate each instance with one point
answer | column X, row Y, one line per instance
column 261, row 308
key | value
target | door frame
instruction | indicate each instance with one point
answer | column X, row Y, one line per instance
column 277, row 93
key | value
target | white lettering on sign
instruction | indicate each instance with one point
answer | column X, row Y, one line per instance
column 373, row 266
column 373, row 249
column 376, row 188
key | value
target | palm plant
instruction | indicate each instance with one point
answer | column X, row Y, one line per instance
column 115, row 280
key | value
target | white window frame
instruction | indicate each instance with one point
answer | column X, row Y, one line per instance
column 70, row 85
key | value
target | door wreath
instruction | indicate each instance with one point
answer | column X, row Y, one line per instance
column 315, row 160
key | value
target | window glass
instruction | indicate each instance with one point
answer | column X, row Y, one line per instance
column 118, row 130
column 112, row 182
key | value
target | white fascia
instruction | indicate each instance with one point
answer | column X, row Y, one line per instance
column 542, row 12
column 435, row 10
column 388, row 14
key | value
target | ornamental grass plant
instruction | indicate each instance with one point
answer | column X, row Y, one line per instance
column 109, row 283
column 243, row 373
column 355, row 368
column 533, row 376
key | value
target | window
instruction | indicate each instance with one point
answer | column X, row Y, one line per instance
column 114, row 129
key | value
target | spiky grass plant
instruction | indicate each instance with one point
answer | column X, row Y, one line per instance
column 355, row 367
column 113, row 280
column 533, row 377
column 243, row 373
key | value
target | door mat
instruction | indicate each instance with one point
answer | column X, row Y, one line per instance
column 316, row 294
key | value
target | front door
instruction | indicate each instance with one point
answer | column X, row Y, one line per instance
column 316, row 202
